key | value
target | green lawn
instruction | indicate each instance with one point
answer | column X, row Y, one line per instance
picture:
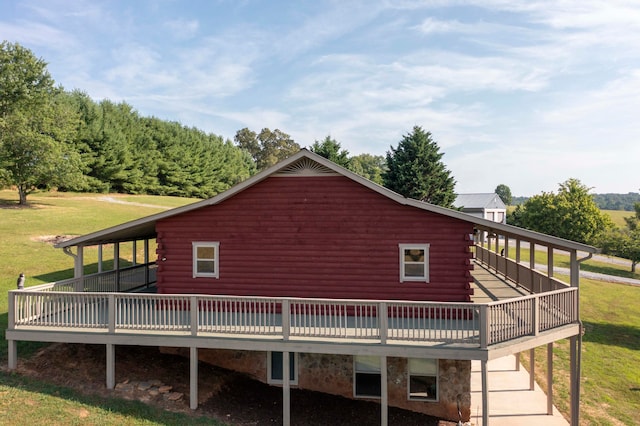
column 26, row 401
column 610, row 312
column 610, row 356
column 617, row 216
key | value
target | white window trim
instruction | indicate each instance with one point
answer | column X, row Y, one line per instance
column 292, row 381
column 355, row 372
column 216, row 260
column 437, row 376
column 424, row 247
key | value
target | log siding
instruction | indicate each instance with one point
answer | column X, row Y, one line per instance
column 320, row 236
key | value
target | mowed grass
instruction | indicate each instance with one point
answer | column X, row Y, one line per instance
column 617, row 216
column 610, row 356
column 29, row 402
column 610, row 312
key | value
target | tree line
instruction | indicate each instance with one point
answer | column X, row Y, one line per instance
column 50, row 138
column 609, row 201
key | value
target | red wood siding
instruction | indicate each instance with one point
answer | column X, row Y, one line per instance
column 326, row 237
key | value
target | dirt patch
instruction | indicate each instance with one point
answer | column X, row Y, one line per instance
column 230, row 397
column 52, row 239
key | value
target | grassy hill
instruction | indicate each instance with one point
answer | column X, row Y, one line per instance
column 610, row 312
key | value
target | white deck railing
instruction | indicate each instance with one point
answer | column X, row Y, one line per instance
column 480, row 325
column 528, row 278
column 125, row 279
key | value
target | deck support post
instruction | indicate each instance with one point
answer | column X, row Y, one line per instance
column 384, row 397
column 286, row 390
column 575, row 343
column 532, row 368
column 12, row 349
column 193, row 378
column 484, row 374
column 575, row 346
column 550, row 378
column 111, row 366
column 518, row 361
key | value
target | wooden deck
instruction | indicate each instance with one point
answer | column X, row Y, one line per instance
column 501, row 316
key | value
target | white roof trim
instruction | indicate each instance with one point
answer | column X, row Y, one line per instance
column 145, row 227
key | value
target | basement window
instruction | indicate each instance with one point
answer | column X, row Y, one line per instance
column 205, row 259
column 274, row 366
column 414, row 262
column 366, row 383
column 423, row 379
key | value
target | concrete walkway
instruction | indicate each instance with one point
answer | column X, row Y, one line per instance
column 510, row 400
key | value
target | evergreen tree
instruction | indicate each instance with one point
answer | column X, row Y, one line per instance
column 504, row 192
column 330, row 149
column 415, row 170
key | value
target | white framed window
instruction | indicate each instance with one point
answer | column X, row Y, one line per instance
column 206, row 259
column 423, row 379
column 414, row 262
column 274, row 368
column 366, row 380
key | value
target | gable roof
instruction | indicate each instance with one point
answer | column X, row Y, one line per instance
column 489, row 200
column 307, row 163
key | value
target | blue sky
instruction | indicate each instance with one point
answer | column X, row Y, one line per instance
column 522, row 93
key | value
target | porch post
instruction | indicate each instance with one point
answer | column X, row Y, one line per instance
column 485, row 392
column 532, row 265
column 111, row 366
column 550, row 378
column 134, row 253
column 116, row 264
column 518, row 361
column 193, row 378
column 286, row 391
column 550, row 264
column 384, row 398
column 518, row 259
column 78, row 269
column 146, row 262
column 99, row 258
column 532, row 368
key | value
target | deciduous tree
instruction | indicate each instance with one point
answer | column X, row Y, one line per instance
column 370, row 166
column 571, row 214
column 267, row 147
column 625, row 242
column 35, row 125
column 415, row 170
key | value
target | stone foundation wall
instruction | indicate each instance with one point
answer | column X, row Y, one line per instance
column 333, row 374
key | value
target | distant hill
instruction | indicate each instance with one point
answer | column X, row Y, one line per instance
column 604, row 201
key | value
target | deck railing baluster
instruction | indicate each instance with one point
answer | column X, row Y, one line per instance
column 322, row 318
